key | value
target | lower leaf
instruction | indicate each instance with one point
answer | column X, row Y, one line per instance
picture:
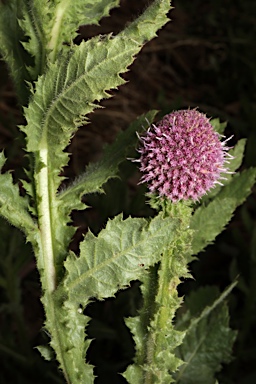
column 120, row 253
column 208, row 341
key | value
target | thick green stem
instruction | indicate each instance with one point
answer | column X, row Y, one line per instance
column 46, row 259
column 44, row 210
column 167, row 302
column 149, row 290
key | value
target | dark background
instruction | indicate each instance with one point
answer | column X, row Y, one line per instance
column 206, row 58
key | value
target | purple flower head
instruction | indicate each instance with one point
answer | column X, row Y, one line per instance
column 182, row 156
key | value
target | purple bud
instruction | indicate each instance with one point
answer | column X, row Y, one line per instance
column 182, row 156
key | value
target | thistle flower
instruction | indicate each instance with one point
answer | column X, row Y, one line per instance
column 182, row 156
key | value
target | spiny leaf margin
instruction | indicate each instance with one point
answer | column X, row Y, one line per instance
column 120, row 253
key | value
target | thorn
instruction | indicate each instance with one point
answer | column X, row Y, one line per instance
column 140, row 139
column 133, row 160
column 230, row 156
column 229, row 138
column 218, row 182
column 147, row 121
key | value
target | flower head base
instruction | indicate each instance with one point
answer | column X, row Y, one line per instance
column 182, row 156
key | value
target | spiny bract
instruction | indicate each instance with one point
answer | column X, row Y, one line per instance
column 182, row 156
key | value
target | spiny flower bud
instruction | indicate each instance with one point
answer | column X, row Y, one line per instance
column 182, row 156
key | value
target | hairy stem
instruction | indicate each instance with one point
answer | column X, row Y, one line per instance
column 167, row 302
column 46, row 260
column 155, row 335
column 44, row 211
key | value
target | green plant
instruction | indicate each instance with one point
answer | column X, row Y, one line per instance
column 59, row 83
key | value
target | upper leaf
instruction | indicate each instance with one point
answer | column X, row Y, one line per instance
column 71, row 86
column 33, row 25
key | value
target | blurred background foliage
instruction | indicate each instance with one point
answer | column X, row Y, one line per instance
column 205, row 58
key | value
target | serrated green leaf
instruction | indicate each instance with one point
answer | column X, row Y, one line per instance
column 208, row 221
column 68, row 15
column 209, row 340
column 99, row 173
column 144, row 28
column 13, row 207
column 120, row 253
